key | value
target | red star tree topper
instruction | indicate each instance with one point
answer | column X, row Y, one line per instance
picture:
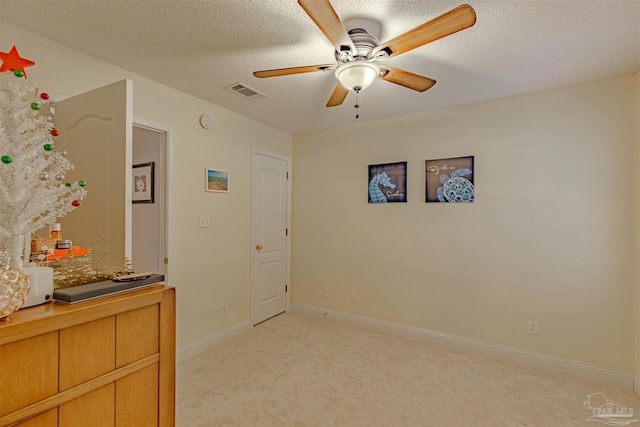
column 12, row 61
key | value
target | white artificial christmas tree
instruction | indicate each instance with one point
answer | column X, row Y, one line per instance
column 33, row 188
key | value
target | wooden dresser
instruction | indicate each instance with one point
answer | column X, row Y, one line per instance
column 106, row 362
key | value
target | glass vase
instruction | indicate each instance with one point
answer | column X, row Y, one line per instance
column 14, row 288
column 14, row 283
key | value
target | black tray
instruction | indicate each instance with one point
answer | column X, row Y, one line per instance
column 98, row 289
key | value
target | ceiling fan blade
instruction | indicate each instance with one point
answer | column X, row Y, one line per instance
column 293, row 70
column 325, row 17
column 451, row 22
column 407, row 79
column 338, row 96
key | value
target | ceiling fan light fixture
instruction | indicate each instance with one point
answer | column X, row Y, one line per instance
column 357, row 75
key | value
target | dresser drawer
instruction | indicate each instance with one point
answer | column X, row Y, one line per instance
column 28, row 371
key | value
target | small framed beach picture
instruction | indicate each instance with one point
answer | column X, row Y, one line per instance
column 142, row 183
column 216, row 181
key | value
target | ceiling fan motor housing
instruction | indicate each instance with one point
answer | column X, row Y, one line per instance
column 359, row 71
column 364, row 42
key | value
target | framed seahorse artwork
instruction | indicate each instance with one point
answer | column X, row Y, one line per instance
column 450, row 180
column 388, row 183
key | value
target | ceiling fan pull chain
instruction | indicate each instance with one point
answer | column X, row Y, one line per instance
column 357, row 106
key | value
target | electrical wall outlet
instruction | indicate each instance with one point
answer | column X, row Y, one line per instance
column 533, row 327
column 354, row 297
column 224, row 309
column 325, row 292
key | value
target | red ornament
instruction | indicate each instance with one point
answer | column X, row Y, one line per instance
column 44, row 96
column 76, row 203
column 12, row 61
column 55, row 132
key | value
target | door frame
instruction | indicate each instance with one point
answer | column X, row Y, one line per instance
column 261, row 152
column 166, row 156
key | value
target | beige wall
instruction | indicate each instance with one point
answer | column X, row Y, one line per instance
column 551, row 237
column 210, row 266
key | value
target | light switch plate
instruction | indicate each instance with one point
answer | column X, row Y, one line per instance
column 205, row 221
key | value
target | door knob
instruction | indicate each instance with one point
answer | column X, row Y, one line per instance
column 258, row 247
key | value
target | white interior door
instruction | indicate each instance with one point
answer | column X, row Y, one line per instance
column 96, row 130
column 269, row 202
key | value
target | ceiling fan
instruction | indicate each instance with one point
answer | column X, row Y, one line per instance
column 357, row 53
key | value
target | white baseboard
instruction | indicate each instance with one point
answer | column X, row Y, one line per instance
column 212, row 340
column 591, row 371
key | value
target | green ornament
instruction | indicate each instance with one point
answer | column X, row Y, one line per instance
column 82, row 183
column 68, row 184
column 6, row 160
column 35, row 106
column 48, row 147
column 18, row 73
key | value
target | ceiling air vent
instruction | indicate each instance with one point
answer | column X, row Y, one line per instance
column 245, row 91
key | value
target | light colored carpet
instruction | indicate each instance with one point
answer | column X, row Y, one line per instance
column 298, row 370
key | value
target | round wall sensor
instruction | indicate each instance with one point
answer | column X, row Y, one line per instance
column 205, row 121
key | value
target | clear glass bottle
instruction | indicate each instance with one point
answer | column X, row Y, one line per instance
column 55, row 232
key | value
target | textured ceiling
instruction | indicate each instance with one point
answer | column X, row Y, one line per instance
column 201, row 46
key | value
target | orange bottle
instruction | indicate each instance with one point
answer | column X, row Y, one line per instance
column 55, row 232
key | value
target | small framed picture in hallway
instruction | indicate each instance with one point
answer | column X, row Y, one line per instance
column 142, row 183
column 216, row 181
